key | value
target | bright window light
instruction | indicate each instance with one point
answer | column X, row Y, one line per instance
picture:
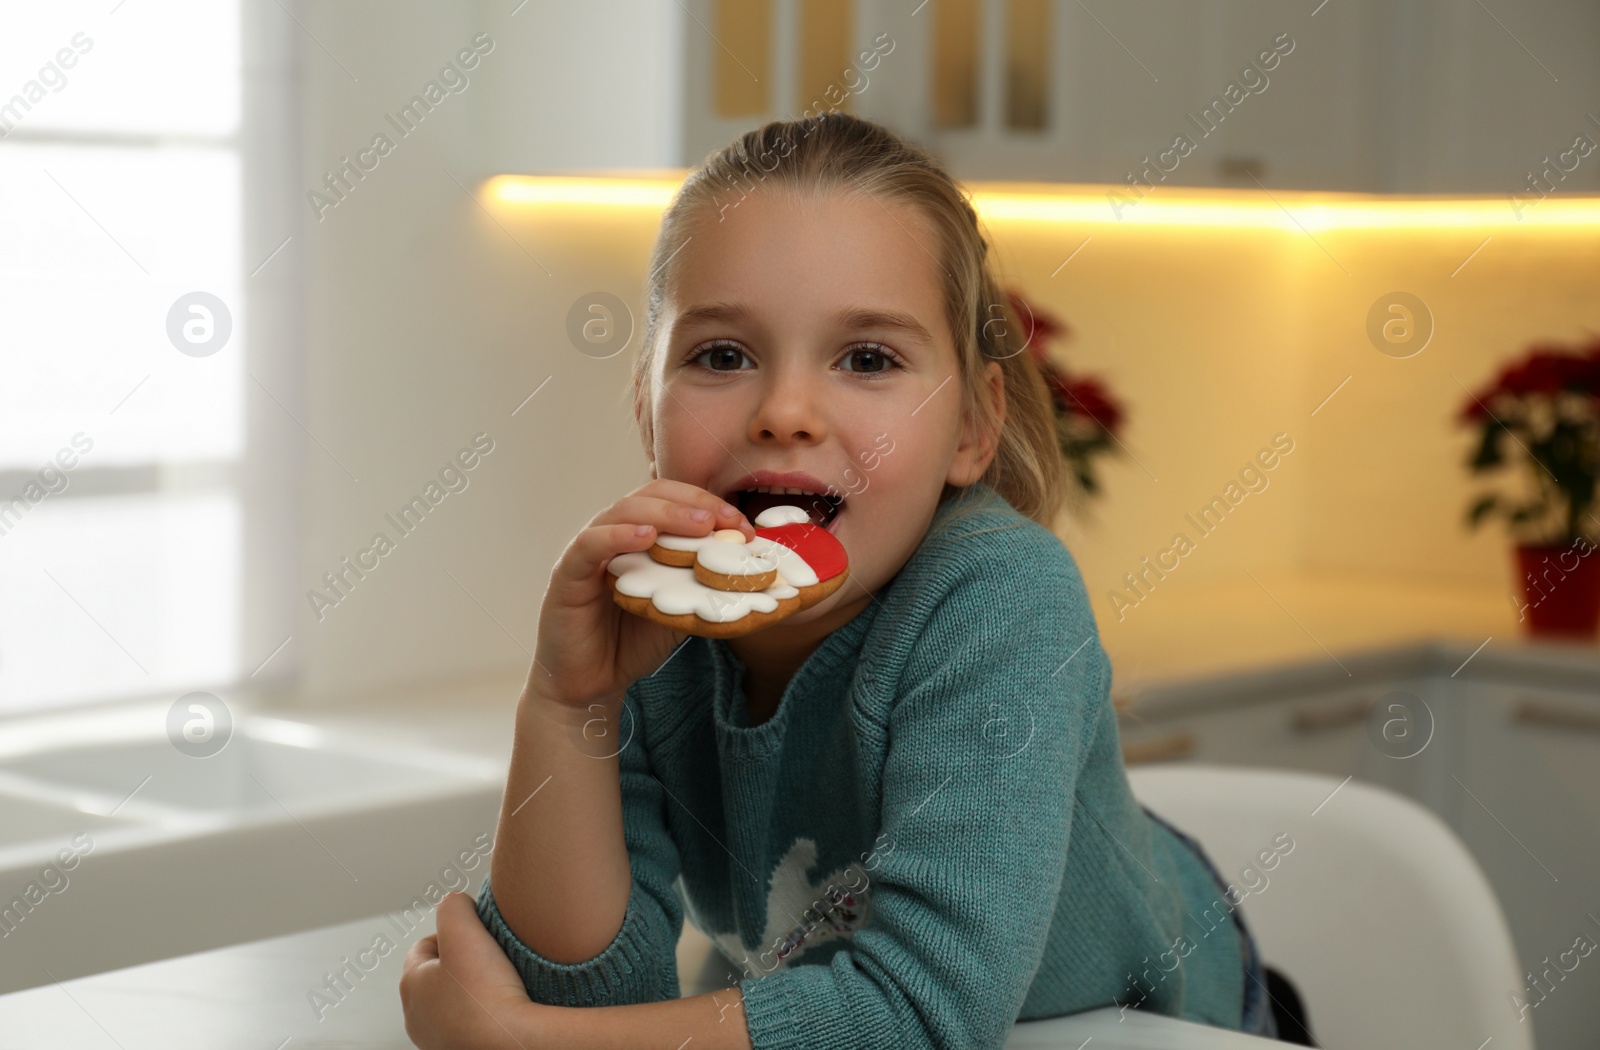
column 120, row 512
column 147, row 69
column 85, row 325
column 118, row 596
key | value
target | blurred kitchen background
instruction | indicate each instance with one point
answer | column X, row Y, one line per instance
column 267, row 267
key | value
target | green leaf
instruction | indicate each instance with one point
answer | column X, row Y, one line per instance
column 1481, row 509
column 1488, row 452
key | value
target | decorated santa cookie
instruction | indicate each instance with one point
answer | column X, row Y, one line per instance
column 720, row 586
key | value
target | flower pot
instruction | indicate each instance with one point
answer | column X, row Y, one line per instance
column 1560, row 589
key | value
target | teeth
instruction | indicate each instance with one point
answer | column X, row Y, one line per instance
column 779, row 490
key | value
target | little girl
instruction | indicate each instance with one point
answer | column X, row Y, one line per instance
column 901, row 814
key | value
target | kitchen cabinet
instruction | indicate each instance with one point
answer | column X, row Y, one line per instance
column 1426, row 96
column 1527, row 804
column 1326, row 734
column 1512, row 765
column 1329, row 731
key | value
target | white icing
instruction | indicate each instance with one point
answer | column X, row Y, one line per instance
column 735, row 559
column 784, row 515
column 674, row 590
column 792, row 568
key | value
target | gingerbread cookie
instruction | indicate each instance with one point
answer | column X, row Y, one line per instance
column 720, row 586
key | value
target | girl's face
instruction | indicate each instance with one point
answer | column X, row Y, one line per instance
column 805, row 335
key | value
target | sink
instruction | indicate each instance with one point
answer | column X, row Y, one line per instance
column 288, row 827
column 269, row 765
column 26, row 820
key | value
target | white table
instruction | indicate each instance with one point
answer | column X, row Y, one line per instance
column 256, row 997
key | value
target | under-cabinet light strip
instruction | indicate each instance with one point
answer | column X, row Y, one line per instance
column 1083, row 204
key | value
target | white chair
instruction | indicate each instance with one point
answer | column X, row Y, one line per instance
column 1379, row 915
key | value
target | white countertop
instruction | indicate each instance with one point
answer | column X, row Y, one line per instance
column 256, row 996
column 1238, row 625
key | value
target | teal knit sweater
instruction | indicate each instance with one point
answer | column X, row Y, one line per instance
column 930, row 839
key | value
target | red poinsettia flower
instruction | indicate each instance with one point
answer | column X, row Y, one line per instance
column 1544, row 371
column 1544, row 409
column 1073, row 397
column 1086, row 396
column 1087, row 416
column 1549, row 369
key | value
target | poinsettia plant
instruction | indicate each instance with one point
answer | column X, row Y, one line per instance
column 1542, row 411
column 1088, row 415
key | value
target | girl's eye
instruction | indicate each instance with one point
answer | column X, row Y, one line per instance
column 871, row 358
column 720, row 357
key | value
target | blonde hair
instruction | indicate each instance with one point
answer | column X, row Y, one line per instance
column 839, row 151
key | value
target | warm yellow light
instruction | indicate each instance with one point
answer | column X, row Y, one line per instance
column 605, row 191
column 1115, row 205
column 1292, row 211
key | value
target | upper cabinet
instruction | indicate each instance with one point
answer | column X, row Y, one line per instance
column 1387, row 96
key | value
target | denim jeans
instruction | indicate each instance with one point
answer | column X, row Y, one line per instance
column 1256, row 1011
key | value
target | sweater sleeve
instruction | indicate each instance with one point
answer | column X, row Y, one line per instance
column 640, row 963
column 987, row 734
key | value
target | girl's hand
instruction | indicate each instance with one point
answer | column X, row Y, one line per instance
column 458, row 989
column 589, row 650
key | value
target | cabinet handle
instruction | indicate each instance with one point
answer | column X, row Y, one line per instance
column 1537, row 712
column 1159, row 749
column 1332, row 716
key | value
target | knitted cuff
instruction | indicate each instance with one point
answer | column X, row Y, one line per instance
column 631, row 969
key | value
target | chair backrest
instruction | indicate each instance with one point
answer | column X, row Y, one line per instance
column 1378, row 914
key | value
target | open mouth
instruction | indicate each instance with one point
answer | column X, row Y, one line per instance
column 823, row 509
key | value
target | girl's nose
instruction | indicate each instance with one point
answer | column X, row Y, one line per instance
column 789, row 412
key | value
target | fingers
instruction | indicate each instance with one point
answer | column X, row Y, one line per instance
column 471, row 953
column 633, row 523
column 671, row 515
column 454, row 911
column 425, row 950
column 589, row 550
column 683, row 492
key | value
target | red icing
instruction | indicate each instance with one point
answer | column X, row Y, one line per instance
column 816, row 546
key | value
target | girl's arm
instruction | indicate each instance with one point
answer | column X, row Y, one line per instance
column 580, row 894
column 560, row 866
column 582, row 899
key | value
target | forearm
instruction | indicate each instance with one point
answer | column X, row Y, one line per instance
column 560, row 865
column 714, row 1021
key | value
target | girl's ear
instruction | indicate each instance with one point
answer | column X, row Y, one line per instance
column 978, row 444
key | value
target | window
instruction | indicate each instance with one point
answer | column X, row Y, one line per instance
column 125, row 322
